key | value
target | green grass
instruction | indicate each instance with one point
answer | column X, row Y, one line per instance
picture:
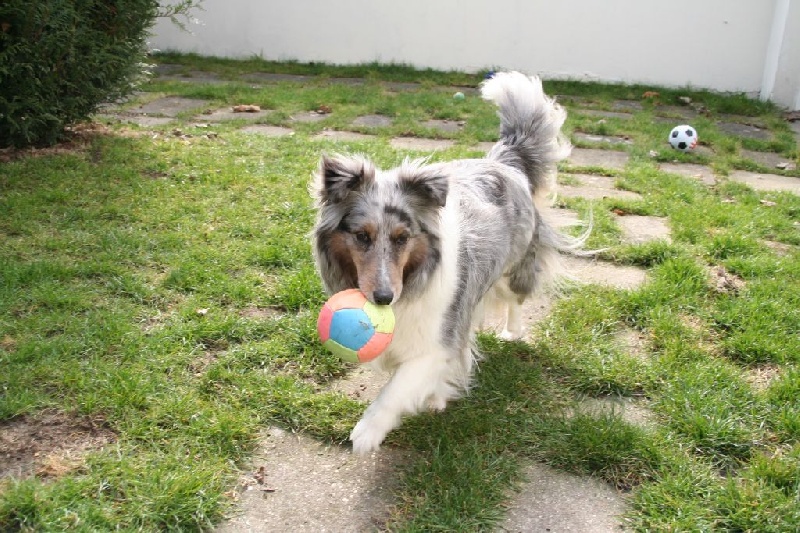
column 164, row 284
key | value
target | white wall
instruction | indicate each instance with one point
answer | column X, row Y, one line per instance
column 716, row 44
column 787, row 79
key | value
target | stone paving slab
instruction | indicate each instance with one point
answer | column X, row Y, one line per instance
column 343, row 135
column 141, row 120
column 589, row 270
column 758, row 122
column 309, row 116
column 298, row 484
column 399, row 86
column 268, row 77
column 685, row 113
column 795, row 127
column 767, row 159
column 353, row 82
column 766, row 182
column 631, row 410
column 227, row 113
column 670, row 122
column 362, row 383
column 555, row 501
column 484, row 146
column 702, row 149
column 169, row 106
column 373, row 121
column 453, row 89
column 597, row 139
column 195, row 76
column 702, row 173
column 637, row 229
column 562, row 218
column 421, row 144
column 114, row 107
column 604, row 114
column 573, row 100
column 164, row 69
column 591, row 157
column 449, row 126
column 268, row 131
column 627, row 105
column 747, row 131
column 595, row 187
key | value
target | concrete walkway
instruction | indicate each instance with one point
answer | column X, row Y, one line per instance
column 297, row 484
column 554, row 501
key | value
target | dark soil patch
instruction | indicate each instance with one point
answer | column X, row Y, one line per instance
column 261, row 313
column 49, row 444
column 77, row 138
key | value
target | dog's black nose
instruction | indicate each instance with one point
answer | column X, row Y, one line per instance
column 383, row 296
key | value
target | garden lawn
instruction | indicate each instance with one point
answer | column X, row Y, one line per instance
column 156, row 283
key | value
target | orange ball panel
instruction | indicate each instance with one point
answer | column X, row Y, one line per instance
column 376, row 346
column 349, row 299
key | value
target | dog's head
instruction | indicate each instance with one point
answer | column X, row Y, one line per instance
column 377, row 231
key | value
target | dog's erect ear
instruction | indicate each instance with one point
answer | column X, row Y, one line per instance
column 338, row 176
column 428, row 184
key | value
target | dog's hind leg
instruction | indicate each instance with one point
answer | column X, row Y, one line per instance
column 509, row 302
column 513, row 325
column 539, row 267
column 520, row 283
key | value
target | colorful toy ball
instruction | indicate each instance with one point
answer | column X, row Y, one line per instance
column 459, row 96
column 353, row 328
column 683, row 138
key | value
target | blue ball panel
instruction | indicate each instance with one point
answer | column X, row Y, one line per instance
column 351, row 328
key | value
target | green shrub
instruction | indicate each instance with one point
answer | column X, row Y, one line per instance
column 61, row 59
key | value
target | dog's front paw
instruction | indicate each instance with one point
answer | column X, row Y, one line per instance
column 437, row 403
column 507, row 335
column 368, row 434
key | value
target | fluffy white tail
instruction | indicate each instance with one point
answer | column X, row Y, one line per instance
column 530, row 128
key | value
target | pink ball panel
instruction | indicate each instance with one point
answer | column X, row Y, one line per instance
column 324, row 323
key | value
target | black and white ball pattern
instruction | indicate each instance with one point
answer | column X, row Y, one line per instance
column 683, row 138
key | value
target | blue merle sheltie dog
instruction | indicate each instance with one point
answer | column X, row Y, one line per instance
column 438, row 242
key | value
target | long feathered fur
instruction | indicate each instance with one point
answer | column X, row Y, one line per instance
column 531, row 140
column 530, row 128
column 437, row 241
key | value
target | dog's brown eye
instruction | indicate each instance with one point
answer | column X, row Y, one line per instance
column 401, row 240
column 363, row 237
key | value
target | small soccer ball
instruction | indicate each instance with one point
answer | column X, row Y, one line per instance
column 683, row 138
column 353, row 328
column 459, row 96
